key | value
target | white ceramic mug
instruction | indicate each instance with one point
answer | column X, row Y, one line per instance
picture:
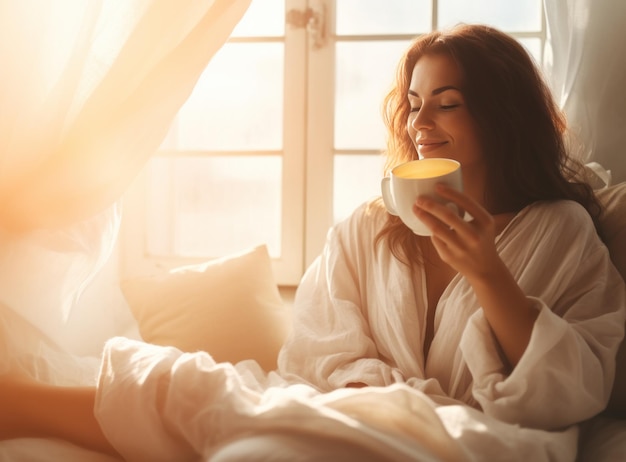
column 417, row 178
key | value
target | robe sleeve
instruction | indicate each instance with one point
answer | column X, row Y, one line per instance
column 566, row 373
column 331, row 344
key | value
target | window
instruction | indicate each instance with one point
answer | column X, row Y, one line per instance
column 282, row 135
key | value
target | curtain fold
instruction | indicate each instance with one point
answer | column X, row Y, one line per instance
column 586, row 66
column 88, row 89
column 84, row 115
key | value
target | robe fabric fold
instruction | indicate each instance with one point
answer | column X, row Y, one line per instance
column 360, row 317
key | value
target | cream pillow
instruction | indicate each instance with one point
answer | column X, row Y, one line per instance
column 229, row 307
column 614, row 227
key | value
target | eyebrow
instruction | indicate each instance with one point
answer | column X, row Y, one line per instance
column 437, row 91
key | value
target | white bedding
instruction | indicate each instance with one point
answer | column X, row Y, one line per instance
column 378, row 419
column 603, row 439
column 207, row 405
column 158, row 404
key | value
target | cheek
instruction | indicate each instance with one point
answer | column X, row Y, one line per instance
column 465, row 131
column 412, row 134
column 409, row 127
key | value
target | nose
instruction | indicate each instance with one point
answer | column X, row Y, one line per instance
column 422, row 119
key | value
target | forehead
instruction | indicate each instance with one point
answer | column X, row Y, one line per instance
column 433, row 71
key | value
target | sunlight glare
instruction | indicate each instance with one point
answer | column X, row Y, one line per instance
column 263, row 19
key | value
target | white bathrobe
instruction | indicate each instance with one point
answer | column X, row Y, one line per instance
column 360, row 317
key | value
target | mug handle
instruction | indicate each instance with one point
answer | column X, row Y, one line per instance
column 385, row 188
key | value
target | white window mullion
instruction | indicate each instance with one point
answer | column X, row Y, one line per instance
column 288, row 267
column 320, row 138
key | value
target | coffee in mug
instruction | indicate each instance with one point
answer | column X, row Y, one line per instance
column 416, row 178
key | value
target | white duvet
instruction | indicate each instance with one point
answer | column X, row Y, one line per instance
column 158, row 404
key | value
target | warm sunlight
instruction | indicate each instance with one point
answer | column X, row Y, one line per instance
column 197, row 261
column 290, row 133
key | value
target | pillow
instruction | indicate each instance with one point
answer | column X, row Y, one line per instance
column 229, row 307
column 613, row 225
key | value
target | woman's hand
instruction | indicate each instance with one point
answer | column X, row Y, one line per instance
column 467, row 246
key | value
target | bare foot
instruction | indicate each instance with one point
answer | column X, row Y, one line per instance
column 29, row 408
column 14, row 399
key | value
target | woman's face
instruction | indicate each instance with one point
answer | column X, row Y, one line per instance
column 439, row 123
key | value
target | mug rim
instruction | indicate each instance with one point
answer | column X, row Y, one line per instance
column 427, row 160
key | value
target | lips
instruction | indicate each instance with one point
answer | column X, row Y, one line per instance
column 427, row 146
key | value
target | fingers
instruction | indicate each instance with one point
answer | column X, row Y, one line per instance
column 444, row 222
column 439, row 218
column 464, row 202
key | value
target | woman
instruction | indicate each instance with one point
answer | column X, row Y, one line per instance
column 503, row 313
column 513, row 317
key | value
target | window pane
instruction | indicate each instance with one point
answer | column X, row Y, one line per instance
column 212, row 206
column 237, row 104
column 365, row 70
column 533, row 45
column 357, row 179
column 358, row 17
column 520, row 15
column 264, row 18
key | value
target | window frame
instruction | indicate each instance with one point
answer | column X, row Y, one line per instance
column 308, row 152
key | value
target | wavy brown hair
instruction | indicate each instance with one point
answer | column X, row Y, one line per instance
column 521, row 128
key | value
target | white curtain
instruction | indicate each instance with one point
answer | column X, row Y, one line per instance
column 586, row 65
column 88, row 89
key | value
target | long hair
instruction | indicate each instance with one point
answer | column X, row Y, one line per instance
column 521, row 128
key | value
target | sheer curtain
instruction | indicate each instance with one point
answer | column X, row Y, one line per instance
column 88, row 89
column 586, row 64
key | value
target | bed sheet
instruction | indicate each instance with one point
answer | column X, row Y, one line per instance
column 47, row 450
column 603, row 439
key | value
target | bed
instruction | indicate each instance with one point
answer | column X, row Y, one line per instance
column 232, row 307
